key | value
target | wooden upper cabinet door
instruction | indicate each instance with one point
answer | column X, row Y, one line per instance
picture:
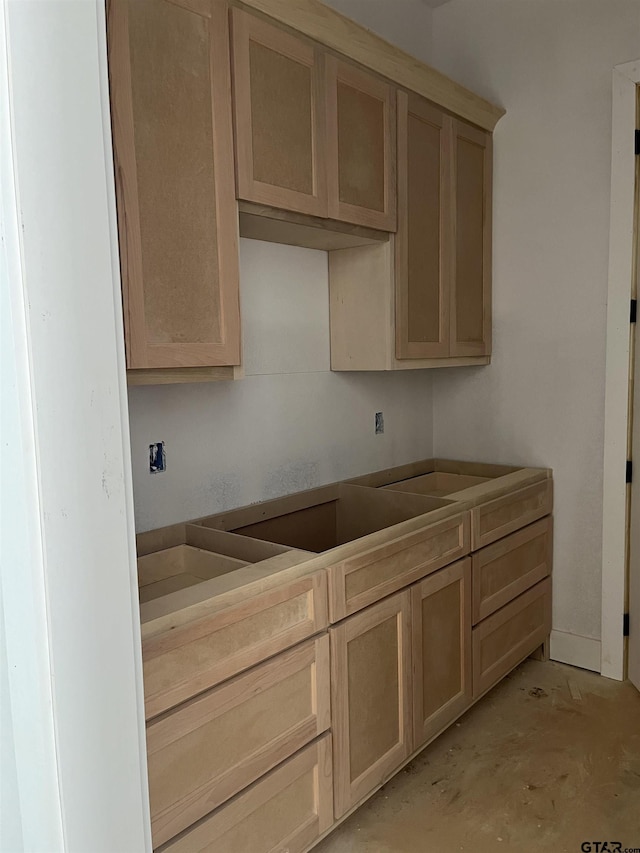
column 422, row 241
column 177, row 213
column 361, row 140
column 279, row 117
column 471, row 160
column 371, row 698
column 441, row 624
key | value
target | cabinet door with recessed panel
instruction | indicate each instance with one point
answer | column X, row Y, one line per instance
column 441, row 625
column 279, row 117
column 471, row 153
column 423, row 239
column 173, row 154
column 371, row 698
column 361, row 143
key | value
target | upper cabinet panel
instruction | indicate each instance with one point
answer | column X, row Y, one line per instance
column 361, row 139
column 173, row 150
column 422, row 293
column 279, row 117
column 471, row 159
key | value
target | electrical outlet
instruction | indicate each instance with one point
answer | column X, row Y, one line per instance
column 379, row 423
column 157, row 458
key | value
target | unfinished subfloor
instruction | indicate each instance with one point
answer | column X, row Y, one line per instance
column 548, row 760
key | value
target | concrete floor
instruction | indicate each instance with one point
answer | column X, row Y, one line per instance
column 548, row 760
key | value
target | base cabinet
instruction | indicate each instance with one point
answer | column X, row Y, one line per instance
column 371, row 696
column 441, row 623
column 286, row 810
column 212, row 747
column 421, row 625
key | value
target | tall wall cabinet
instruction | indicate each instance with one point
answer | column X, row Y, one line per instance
column 288, row 122
column 173, row 149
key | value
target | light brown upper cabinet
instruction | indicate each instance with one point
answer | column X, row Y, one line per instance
column 424, row 298
column 422, row 243
column 177, row 214
column 443, row 245
column 471, row 165
column 361, row 137
column 280, row 117
column 314, row 134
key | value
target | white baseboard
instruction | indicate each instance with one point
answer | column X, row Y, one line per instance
column 575, row 650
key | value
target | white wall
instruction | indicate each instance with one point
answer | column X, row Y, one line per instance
column 290, row 424
column 405, row 23
column 70, row 663
column 549, row 62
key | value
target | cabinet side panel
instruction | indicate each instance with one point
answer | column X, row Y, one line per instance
column 360, row 305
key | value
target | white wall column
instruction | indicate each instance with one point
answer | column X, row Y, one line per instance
column 73, row 753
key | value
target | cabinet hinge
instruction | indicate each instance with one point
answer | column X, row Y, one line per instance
column 625, row 625
column 633, row 311
column 629, row 472
column 636, row 143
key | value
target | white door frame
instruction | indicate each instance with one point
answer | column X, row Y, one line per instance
column 625, row 80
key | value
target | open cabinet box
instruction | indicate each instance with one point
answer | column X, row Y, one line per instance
column 183, row 564
column 441, row 478
column 322, row 519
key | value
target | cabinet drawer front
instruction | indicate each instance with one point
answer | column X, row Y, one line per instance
column 359, row 581
column 184, row 661
column 498, row 518
column 214, row 746
column 285, row 810
column 510, row 566
column 371, row 695
column 506, row 638
column 441, row 627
